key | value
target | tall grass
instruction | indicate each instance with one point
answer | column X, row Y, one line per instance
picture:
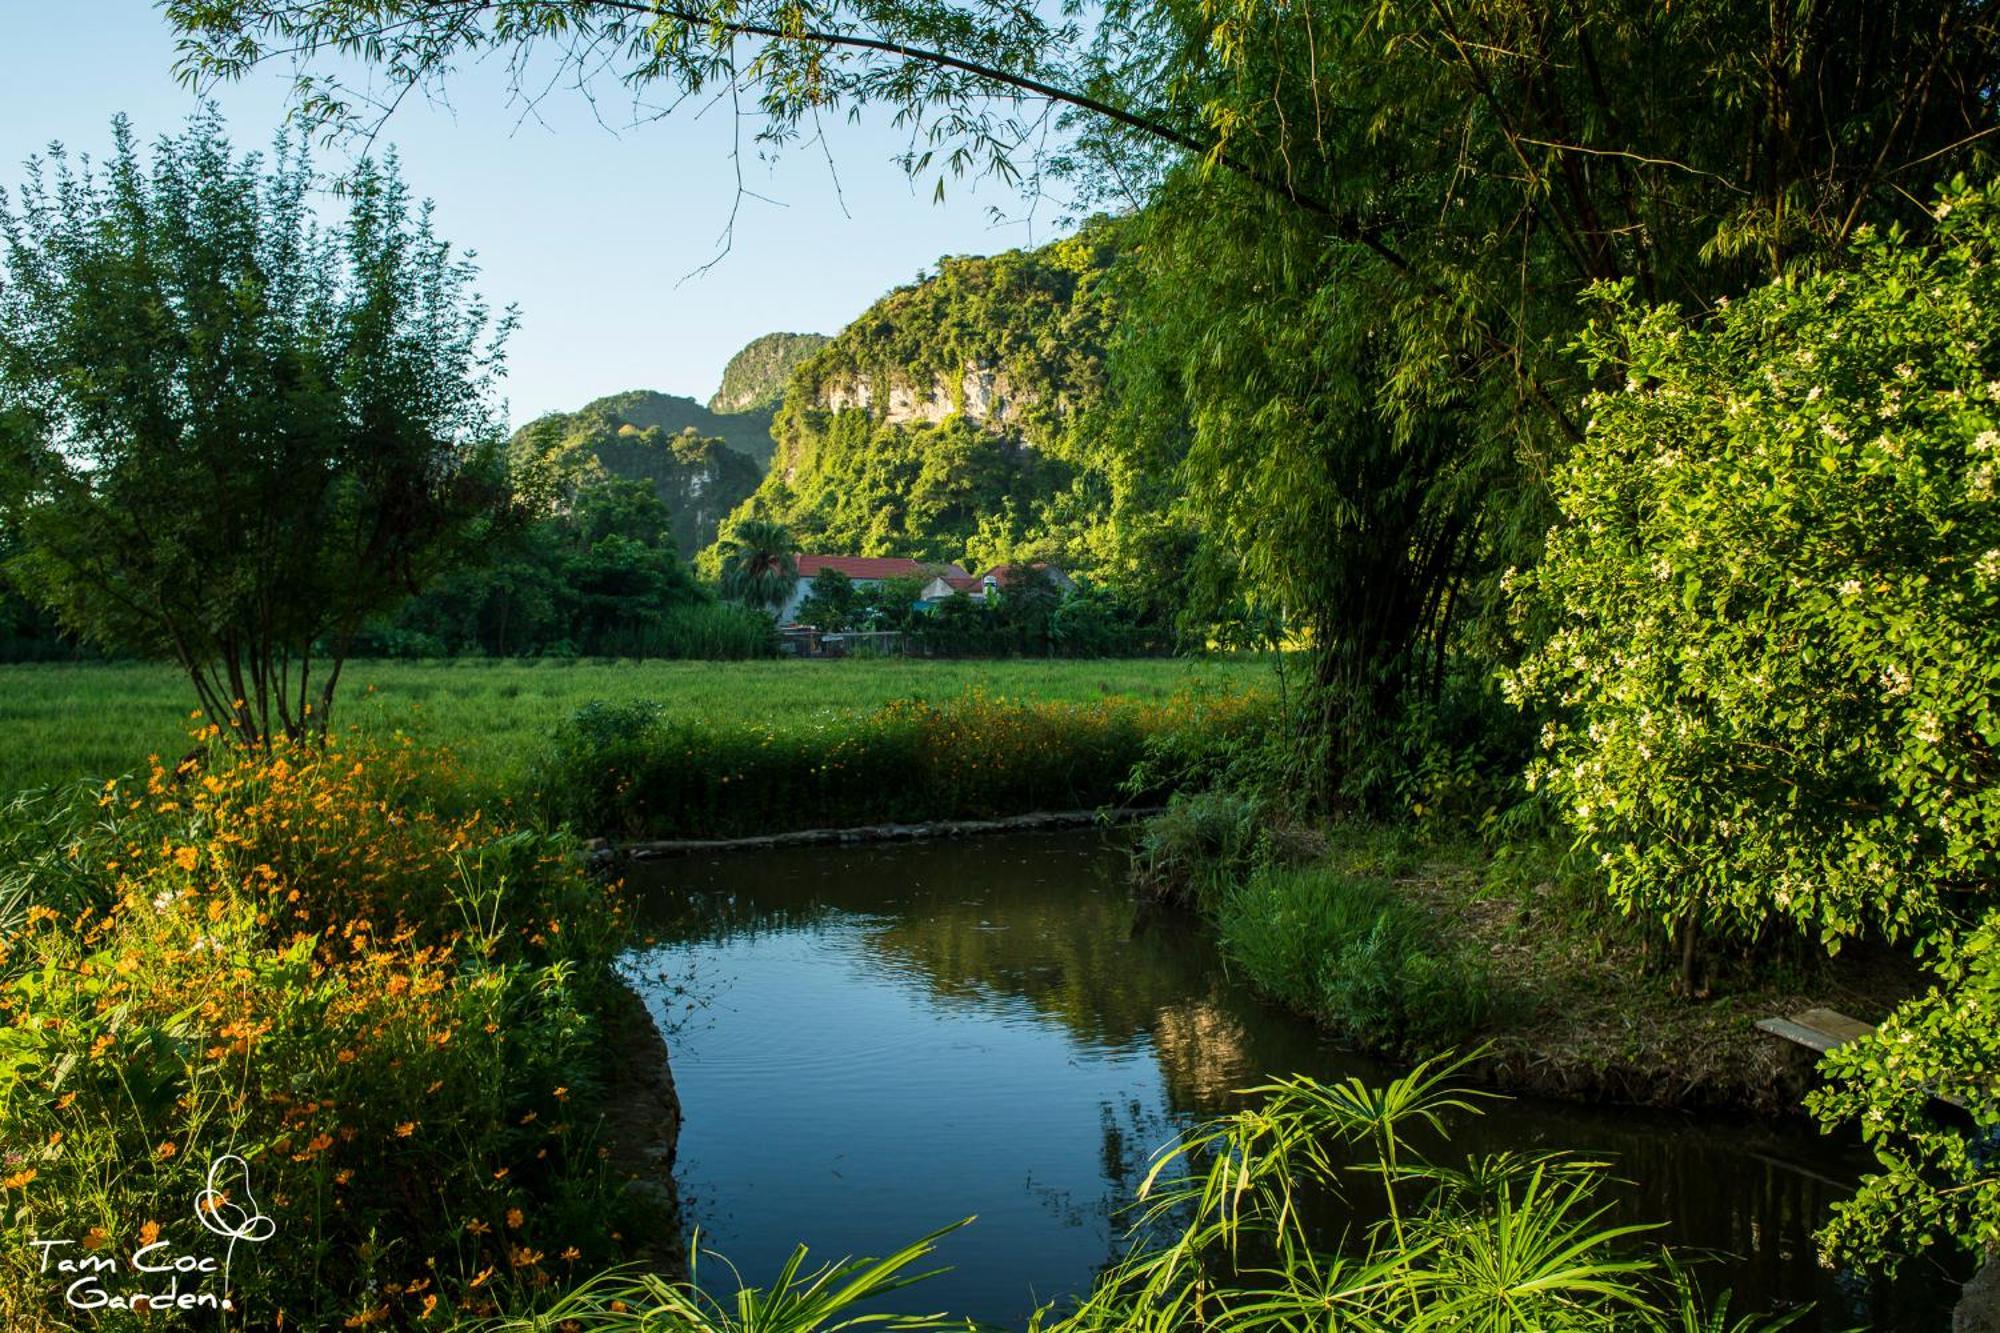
column 638, row 769
column 1350, row 950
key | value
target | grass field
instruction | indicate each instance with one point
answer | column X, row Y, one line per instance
column 59, row 722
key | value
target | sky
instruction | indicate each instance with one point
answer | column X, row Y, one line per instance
column 595, row 234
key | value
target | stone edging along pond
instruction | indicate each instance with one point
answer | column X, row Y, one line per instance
column 602, row 850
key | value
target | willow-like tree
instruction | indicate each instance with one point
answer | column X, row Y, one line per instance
column 1368, row 223
column 235, row 433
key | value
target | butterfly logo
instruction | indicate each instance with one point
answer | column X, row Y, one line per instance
column 226, row 1207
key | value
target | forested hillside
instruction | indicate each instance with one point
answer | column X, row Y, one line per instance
column 755, row 378
column 954, row 419
column 691, row 455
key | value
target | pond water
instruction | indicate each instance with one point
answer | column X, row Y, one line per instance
column 871, row 1042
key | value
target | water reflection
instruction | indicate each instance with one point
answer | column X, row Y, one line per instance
column 891, row 1038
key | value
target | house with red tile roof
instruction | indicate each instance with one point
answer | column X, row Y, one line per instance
column 997, row 578
column 867, row 571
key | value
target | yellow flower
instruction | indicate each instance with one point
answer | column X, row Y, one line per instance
column 515, row 1219
column 187, row 858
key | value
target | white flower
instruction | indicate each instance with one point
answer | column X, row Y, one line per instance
column 1851, row 588
column 1988, row 567
column 1987, row 441
column 1980, row 484
column 1895, row 680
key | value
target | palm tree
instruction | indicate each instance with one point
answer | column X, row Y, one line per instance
column 759, row 563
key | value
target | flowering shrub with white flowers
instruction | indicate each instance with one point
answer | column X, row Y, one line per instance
column 1773, row 675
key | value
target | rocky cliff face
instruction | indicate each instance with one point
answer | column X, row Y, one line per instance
column 981, row 394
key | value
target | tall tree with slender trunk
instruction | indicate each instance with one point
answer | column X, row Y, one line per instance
column 232, row 433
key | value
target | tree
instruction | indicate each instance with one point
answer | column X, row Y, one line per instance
column 894, row 602
column 242, row 432
column 1773, row 675
column 759, row 563
column 832, row 602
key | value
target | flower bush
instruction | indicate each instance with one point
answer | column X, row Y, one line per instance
column 1773, row 671
column 1940, row 1171
column 388, row 1015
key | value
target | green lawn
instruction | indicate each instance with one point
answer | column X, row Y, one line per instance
column 59, row 722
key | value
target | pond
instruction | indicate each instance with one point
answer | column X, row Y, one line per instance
column 873, row 1041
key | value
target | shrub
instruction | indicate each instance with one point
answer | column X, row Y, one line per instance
column 1940, row 1175
column 1199, row 845
column 1348, row 949
column 1774, row 665
column 387, row 1015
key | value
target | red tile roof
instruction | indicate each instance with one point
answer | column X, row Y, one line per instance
column 875, row 567
column 1003, row 575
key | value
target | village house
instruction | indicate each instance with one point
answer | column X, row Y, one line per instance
column 866, row 571
column 979, row 587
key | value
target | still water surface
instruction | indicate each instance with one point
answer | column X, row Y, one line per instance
column 871, row 1042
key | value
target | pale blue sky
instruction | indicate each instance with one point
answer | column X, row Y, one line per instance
column 593, row 234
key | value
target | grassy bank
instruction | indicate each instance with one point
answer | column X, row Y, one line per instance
column 1406, row 942
column 59, row 722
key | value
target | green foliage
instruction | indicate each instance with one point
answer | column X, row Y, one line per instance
column 632, row 769
column 1774, row 662
column 1939, row 1177
column 1350, row 950
column 232, row 434
column 598, row 577
column 758, row 562
column 755, row 379
column 1503, row 1243
column 833, row 603
column 798, row 1300
column 944, row 423
column 1203, row 842
column 701, row 465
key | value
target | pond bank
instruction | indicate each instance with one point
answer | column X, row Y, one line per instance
column 1402, row 944
column 605, row 849
column 642, row 1128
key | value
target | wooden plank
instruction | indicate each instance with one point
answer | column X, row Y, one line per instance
column 1834, row 1023
column 1809, row 1037
column 1823, row 1029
